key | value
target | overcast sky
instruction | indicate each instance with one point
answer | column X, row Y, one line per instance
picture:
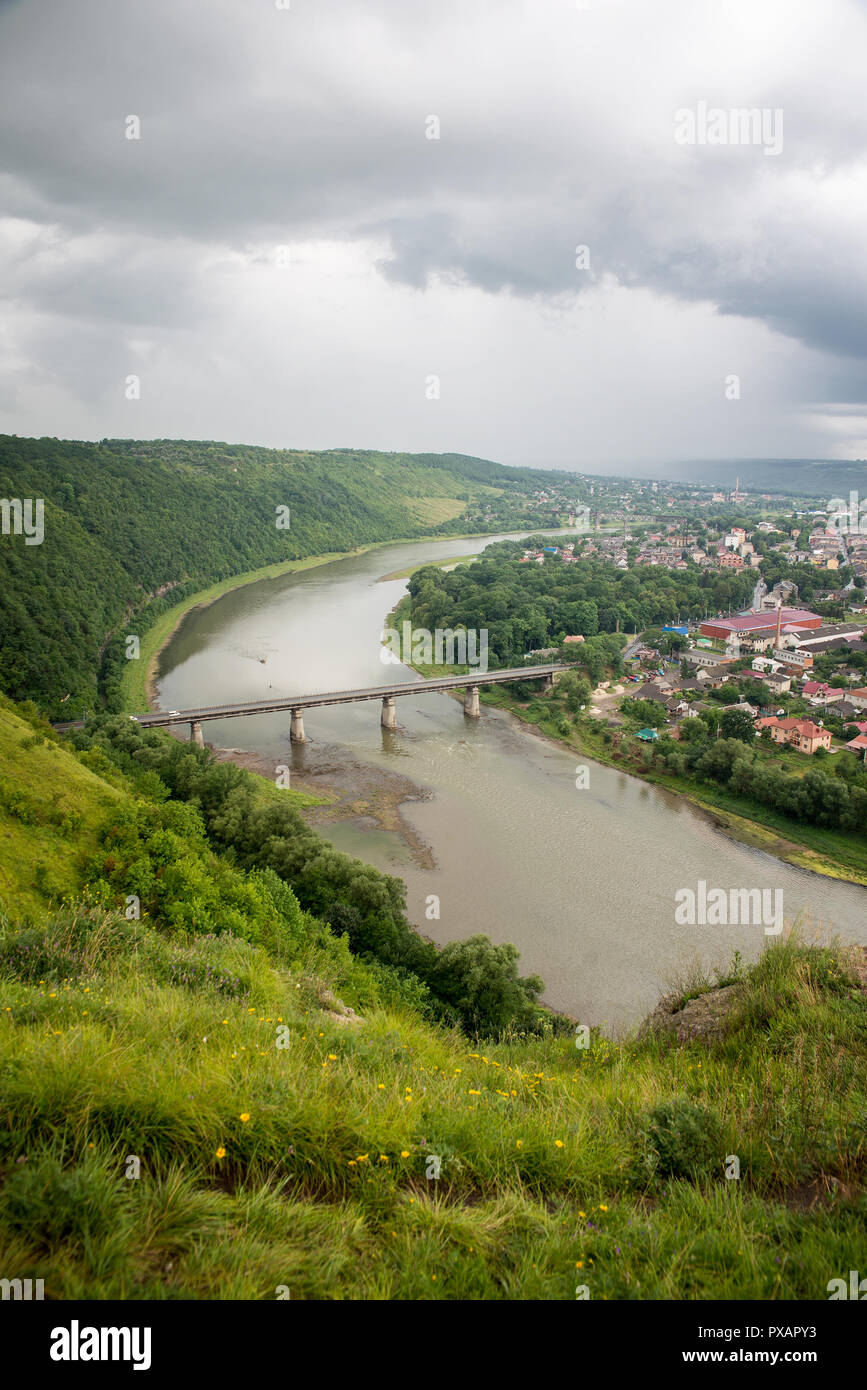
column 284, row 257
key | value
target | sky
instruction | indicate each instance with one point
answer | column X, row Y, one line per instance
column 340, row 223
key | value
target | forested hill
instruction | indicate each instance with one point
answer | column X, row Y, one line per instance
column 127, row 519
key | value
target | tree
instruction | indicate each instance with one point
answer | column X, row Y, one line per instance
column 737, row 723
column 481, row 982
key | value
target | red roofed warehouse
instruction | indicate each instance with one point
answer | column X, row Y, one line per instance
column 750, row 624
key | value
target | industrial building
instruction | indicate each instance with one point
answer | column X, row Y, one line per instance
column 755, row 624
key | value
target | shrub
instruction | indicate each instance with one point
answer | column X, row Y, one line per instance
column 683, row 1140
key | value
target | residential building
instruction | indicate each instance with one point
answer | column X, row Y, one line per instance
column 801, row 734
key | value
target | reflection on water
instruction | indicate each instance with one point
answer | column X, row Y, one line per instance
column 582, row 881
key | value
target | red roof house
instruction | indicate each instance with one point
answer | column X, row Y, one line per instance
column 802, row 734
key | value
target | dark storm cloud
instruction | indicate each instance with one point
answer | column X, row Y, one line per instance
column 261, row 127
column 257, row 123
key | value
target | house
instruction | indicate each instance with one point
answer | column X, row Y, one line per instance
column 859, row 745
column 802, row 734
column 652, row 691
column 576, row 638
column 819, row 692
column 778, row 684
column 708, row 659
column 843, row 709
column 857, row 697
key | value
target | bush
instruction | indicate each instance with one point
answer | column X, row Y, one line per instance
column 480, row 982
column 683, row 1140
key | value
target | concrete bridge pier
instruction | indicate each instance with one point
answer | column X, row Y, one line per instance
column 196, row 734
column 296, row 727
column 547, row 685
column 389, row 714
column 471, row 702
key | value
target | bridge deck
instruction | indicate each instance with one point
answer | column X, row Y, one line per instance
column 205, row 713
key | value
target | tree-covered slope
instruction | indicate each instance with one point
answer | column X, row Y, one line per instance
column 125, row 520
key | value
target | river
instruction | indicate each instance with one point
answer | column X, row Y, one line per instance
column 582, row 880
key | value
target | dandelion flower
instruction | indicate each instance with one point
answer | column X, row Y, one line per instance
column 245, row 1117
column 404, row 1153
column 558, row 1143
column 221, row 1152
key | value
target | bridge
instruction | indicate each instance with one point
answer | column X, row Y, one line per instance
column 296, row 704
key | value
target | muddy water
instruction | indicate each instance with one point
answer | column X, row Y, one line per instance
column 583, row 881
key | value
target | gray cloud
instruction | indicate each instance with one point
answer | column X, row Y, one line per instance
column 306, row 127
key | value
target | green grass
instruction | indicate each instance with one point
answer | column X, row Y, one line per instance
column 423, row 564
column 51, row 809
column 281, row 1146
column 550, row 1155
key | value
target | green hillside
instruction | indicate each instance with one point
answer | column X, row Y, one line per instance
column 223, row 1100
column 132, row 527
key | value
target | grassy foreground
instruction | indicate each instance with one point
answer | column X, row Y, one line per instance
column 199, row 1116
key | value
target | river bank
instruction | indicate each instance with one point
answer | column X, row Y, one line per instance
column 746, row 830
column 138, row 684
column 335, row 789
column 483, row 825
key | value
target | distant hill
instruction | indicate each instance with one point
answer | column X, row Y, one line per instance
column 820, row 478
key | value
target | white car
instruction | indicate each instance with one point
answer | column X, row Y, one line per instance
column 174, row 711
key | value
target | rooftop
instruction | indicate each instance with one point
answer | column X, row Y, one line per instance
column 755, row 622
